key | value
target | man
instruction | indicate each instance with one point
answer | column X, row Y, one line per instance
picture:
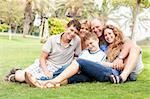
column 57, row 53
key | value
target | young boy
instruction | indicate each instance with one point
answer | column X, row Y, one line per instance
column 57, row 53
column 92, row 53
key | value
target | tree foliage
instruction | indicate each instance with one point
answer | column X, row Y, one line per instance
column 11, row 11
column 56, row 25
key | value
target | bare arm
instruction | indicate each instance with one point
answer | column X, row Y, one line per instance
column 118, row 62
column 43, row 65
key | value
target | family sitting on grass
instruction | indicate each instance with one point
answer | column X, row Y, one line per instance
column 86, row 52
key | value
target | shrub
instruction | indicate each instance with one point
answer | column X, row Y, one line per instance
column 56, row 26
column 4, row 27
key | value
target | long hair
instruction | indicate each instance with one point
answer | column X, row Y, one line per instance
column 86, row 25
column 115, row 47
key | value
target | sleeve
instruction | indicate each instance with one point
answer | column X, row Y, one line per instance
column 104, row 47
column 47, row 46
column 81, row 54
column 78, row 47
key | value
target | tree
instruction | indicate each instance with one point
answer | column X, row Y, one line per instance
column 11, row 11
column 136, row 6
column 135, row 13
column 44, row 8
column 28, row 17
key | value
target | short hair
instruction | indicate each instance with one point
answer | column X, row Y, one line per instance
column 75, row 23
column 91, row 35
column 96, row 20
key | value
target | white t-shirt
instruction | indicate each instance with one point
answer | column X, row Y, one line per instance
column 94, row 57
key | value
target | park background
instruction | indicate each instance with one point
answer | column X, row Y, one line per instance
column 26, row 24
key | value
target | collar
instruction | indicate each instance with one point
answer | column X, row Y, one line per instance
column 58, row 38
column 93, row 52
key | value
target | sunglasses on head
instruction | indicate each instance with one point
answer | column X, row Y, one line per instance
column 110, row 26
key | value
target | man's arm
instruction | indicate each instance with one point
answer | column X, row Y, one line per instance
column 118, row 62
column 43, row 65
column 78, row 48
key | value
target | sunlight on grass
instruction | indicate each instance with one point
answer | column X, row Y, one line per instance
column 21, row 52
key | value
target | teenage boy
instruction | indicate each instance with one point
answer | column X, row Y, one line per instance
column 57, row 53
column 92, row 53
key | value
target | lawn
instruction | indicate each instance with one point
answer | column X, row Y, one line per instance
column 21, row 52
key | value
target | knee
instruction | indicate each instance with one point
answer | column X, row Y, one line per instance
column 136, row 49
column 19, row 76
column 80, row 61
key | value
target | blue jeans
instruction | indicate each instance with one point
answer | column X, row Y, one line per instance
column 77, row 78
column 94, row 70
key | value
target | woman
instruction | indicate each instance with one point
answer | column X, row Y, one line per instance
column 85, row 28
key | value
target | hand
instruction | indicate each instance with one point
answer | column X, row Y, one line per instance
column 118, row 64
column 48, row 74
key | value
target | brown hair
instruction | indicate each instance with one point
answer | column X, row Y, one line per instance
column 115, row 47
column 74, row 23
column 86, row 23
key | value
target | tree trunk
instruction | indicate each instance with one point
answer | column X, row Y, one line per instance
column 135, row 13
column 27, row 17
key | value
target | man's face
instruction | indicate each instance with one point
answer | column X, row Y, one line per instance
column 71, row 32
column 97, row 28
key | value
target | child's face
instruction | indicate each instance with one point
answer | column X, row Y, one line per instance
column 71, row 32
column 92, row 45
column 109, row 35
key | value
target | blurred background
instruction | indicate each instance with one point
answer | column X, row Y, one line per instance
column 42, row 18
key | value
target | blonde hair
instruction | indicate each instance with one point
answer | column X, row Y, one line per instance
column 114, row 48
column 85, row 24
column 91, row 35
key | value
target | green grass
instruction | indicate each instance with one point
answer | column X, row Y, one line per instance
column 21, row 52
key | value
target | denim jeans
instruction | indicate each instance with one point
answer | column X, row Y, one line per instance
column 94, row 70
column 77, row 78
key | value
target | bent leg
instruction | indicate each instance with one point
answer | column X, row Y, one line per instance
column 131, row 62
column 95, row 70
column 67, row 73
column 77, row 78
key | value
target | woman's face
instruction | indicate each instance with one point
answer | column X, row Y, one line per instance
column 83, row 31
column 109, row 35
